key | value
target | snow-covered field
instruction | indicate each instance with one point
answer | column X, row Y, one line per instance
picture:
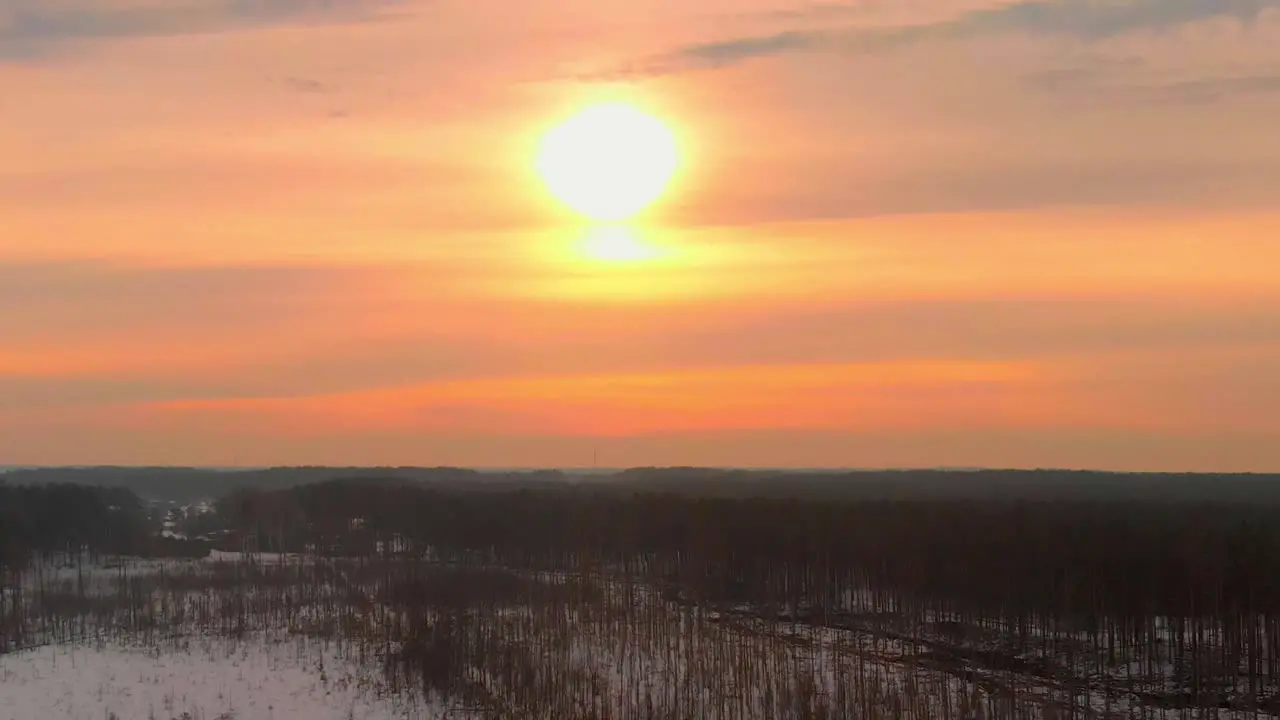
column 257, row 677
column 236, row 637
column 132, row 639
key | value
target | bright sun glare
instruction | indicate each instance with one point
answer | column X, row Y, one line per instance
column 608, row 161
column 616, row 243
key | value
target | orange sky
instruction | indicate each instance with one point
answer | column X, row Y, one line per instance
column 961, row 232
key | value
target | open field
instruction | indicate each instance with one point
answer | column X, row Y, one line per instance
column 252, row 677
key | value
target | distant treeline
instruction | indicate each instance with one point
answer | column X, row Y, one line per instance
column 187, row 485
column 986, row 485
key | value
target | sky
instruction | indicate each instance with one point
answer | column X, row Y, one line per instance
column 908, row 233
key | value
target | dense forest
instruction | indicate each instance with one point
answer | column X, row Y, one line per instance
column 63, row 518
column 1189, row 584
column 1080, row 558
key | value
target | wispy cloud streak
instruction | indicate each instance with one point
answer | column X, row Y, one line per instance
column 29, row 27
column 1080, row 19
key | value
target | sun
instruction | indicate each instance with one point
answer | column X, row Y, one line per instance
column 608, row 161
